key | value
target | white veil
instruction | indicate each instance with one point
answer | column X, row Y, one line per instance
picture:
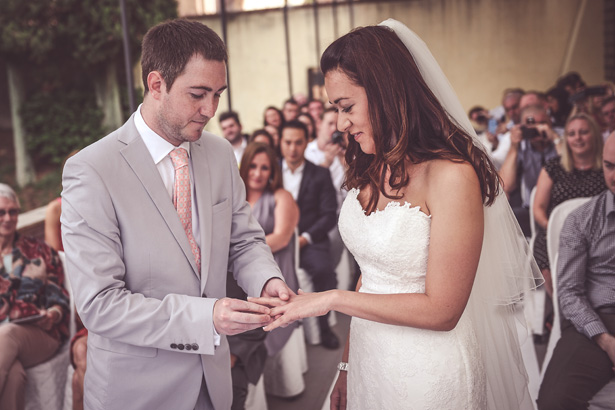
column 506, row 269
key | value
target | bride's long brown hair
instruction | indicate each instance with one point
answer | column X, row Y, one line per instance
column 407, row 119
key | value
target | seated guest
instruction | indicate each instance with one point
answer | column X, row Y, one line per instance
column 276, row 211
column 531, row 145
column 571, row 82
column 329, row 153
column 311, row 186
column 577, row 173
column 584, row 357
column 309, row 123
column 511, row 101
column 290, row 110
column 482, row 122
column 231, row 129
column 34, row 309
column 608, row 115
column 275, row 135
column 533, row 98
column 559, row 106
column 262, row 136
column 273, row 116
column 316, row 108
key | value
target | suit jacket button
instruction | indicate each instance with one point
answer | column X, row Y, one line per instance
column 173, row 346
column 188, row 347
column 195, row 346
column 180, row 346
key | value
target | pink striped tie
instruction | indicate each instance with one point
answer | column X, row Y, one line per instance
column 182, row 198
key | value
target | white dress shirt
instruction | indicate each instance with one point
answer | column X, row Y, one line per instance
column 159, row 149
column 292, row 183
column 315, row 155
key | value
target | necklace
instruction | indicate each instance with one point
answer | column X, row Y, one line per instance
column 583, row 167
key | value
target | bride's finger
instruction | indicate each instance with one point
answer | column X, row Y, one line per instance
column 280, row 322
column 269, row 302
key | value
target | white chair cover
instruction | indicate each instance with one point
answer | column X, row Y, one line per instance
column 46, row 382
column 256, row 399
column 284, row 372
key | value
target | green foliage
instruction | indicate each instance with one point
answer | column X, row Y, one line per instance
column 60, row 45
column 58, row 123
column 29, row 29
column 91, row 30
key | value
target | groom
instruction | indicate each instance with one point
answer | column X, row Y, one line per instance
column 153, row 217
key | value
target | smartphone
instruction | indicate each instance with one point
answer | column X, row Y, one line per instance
column 492, row 126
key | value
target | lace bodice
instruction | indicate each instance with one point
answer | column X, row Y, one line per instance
column 395, row 367
column 390, row 245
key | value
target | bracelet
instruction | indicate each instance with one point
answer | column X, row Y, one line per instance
column 342, row 366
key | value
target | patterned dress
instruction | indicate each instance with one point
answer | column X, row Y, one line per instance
column 566, row 185
column 32, row 278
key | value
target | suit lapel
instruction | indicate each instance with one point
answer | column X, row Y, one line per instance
column 136, row 154
column 202, row 185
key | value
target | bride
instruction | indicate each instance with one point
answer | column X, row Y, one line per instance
column 442, row 259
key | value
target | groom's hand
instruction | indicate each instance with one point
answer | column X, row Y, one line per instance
column 277, row 288
column 233, row 316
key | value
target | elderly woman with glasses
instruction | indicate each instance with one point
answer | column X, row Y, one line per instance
column 33, row 303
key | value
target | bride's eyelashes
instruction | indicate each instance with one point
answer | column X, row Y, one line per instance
column 347, row 109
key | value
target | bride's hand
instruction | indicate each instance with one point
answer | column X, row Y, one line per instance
column 300, row 306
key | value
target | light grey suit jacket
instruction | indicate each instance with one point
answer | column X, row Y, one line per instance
column 135, row 281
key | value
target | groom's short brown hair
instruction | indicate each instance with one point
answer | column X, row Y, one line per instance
column 168, row 46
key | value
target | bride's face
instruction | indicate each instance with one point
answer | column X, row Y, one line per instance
column 350, row 100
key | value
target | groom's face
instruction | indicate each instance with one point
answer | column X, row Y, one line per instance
column 185, row 109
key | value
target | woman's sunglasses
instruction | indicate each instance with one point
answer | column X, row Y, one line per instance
column 11, row 212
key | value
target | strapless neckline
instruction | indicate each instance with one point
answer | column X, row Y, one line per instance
column 391, row 205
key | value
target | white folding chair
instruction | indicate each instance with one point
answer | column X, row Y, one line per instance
column 605, row 399
column 534, row 303
column 46, row 382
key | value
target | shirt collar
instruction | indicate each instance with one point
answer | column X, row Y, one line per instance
column 157, row 146
column 299, row 170
column 610, row 202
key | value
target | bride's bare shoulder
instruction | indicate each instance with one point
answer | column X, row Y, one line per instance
column 451, row 180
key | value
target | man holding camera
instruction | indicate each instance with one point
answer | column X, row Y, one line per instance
column 532, row 143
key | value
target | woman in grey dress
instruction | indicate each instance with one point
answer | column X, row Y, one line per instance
column 276, row 211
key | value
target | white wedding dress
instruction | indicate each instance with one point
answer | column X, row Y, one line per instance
column 398, row 367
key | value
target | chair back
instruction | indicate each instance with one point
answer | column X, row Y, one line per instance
column 554, row 228
column 532, row 219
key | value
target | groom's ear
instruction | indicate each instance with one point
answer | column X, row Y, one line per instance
column 156, row 84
